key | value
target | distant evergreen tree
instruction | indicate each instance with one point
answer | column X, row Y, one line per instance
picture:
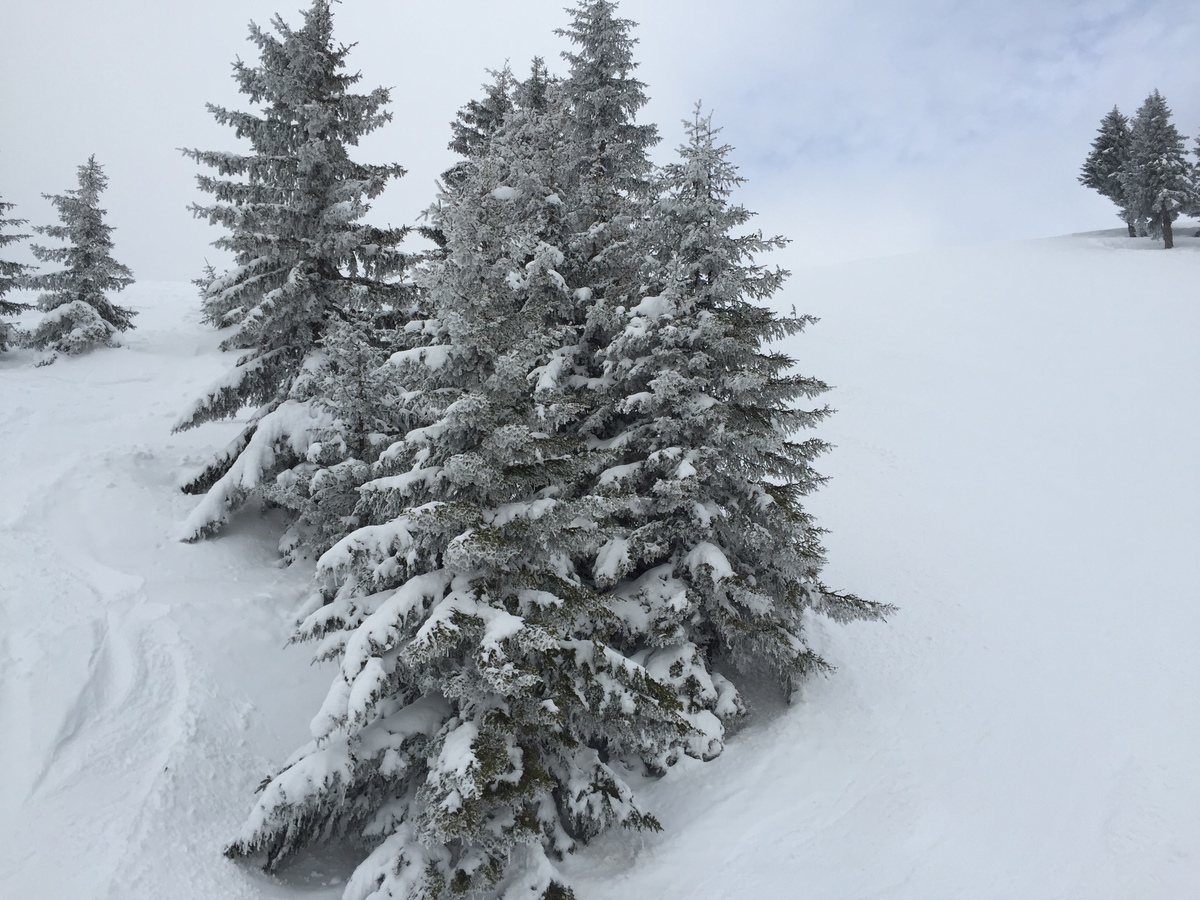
column 1194, row 209
column 12, row 276
column 302, row 256
column 1158, row 181
column 1102, row 169
column 79, row 315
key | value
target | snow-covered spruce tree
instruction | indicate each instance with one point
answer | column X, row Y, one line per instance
column 478, row 120
column 502, row 621
column 12, row 276
column 472, row 129
column 358, row 382
column 1102, row 169
column 1158, row 180
column 302, row 256
column 610, row 174
column 79, row 315
column 714, row 559
column 606, row 190
column 476, row 723
column 480, row 722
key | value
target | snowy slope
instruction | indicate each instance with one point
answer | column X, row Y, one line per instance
column 1015, row 469
column 143, row 692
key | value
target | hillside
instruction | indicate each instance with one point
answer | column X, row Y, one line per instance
column 1015, row 469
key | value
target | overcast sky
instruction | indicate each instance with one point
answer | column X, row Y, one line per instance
column 865, row 127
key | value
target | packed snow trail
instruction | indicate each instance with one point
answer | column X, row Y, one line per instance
column 1015, row 468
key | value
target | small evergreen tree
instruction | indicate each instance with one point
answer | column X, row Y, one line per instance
column 12, row 275
column 302, row 257
column 1108, row 158
column 1158, row 181
column 79, row 315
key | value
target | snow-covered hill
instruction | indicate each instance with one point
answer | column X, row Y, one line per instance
column 1016, row 469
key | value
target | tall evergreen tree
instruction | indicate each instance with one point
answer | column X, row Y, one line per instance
column 503, row 699
column 79, row 314
column 302, row 256
column 476, row 700
column 604, row 98
column 1158, row 181
column 533, row 601
column 1108, row 157
column 12, row 275
column 715, row 557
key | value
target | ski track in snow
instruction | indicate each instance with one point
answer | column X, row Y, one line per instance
column 1015, row 469
column 130, row 695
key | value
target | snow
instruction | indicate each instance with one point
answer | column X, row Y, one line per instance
column 653, row 307
column 529, row 509
column 433, row 357
column 1014, row 468
column 612, row 561
column 458, row 753
column 137, row 707
column 295, row 423
column 711, row 557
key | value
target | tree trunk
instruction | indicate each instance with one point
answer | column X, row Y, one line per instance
column 1132, row 230
column 1168, row 238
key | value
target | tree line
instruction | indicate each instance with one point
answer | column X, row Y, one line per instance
column 1142, row 166
column 552, row 470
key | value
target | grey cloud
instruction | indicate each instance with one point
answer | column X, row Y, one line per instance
column 864, row 126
